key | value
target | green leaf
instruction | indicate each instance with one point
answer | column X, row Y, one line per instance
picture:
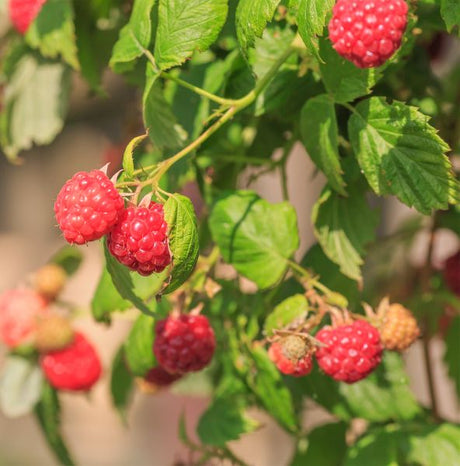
column 121, row 384
column 256, row 237
column 267, row 384
column 123, row 282
column 159, row 119
column 69, row 258
column 53, row 31
column 107, row 299
column 318, row 127
column 340, row 230
column 311, row 19
column 450, row 12
column 450, row 219
column 343, row 80
column 318, row 449
column 35, row 103
column 420, row 444
column 183, row 239
column 291, row 309
column 401, row 154
column 139, row 346
column 128, row 162
column 384, row 395
column 48, row 415
column 329, row 275
column 185, row 26
column 134, row 37
column 451, row 356
column 252, row 17
column 223, row 421
column 20, row 386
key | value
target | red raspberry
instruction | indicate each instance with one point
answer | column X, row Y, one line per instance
column 76, row 367
column 368, row 32
column 184, row 344
column 139, row 240
column 297, row 364
column 87, row 207
column 160, row 378
column 352, row 351
column 23, row 13
column 452, row 273
column 20, row 311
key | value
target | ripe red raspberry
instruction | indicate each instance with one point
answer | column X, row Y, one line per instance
column 160, row 378
column 87, row 207
column 368, row 32
column 76, row 367
column 352, row 351
column 292, row 356
column 23, row 13
column 139, row 240
column 184, row 344
column 452, row 273
column 398, row 328
column 19, row 312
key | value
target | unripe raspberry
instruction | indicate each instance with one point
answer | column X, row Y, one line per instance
column 368, row 32
column 87, row 207
column 23, row 13
column 20, row 311
column 184, row 344
column 53, row 333
column 398, row 328
column 139, row 240
column 351, row 352
column 292, row 356
column 49, row 281
column 75, row 368
column 452, row 273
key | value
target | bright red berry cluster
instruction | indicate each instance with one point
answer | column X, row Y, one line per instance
column 76, row 367
column 452, row 273
column 139, row 240
column 184, row 344
column 288, row 365
column 87, row 207
column 368, row 32
column 23, row 12
column 350, row 352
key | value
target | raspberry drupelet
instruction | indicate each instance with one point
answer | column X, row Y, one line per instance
column 139, row 240
column 368, row 32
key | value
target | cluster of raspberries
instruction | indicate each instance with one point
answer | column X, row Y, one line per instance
column 89, row 207
column 347, row 352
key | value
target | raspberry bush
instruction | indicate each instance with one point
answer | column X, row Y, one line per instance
column 216, row 282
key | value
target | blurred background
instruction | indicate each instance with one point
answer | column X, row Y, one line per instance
column 94, row 131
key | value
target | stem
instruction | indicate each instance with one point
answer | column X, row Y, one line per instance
column 425, row 285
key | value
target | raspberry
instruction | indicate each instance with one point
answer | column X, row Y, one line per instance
column 184, row 344
column 23, row 13
column 452, row 273
column 398, row 329
column 49, row 280
column 368, row 32
column 291, row 356
column 76, row 367
column 352, row 351
column 53, row 333
column 87, row 207
column 19, row 312
column 139, row 240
